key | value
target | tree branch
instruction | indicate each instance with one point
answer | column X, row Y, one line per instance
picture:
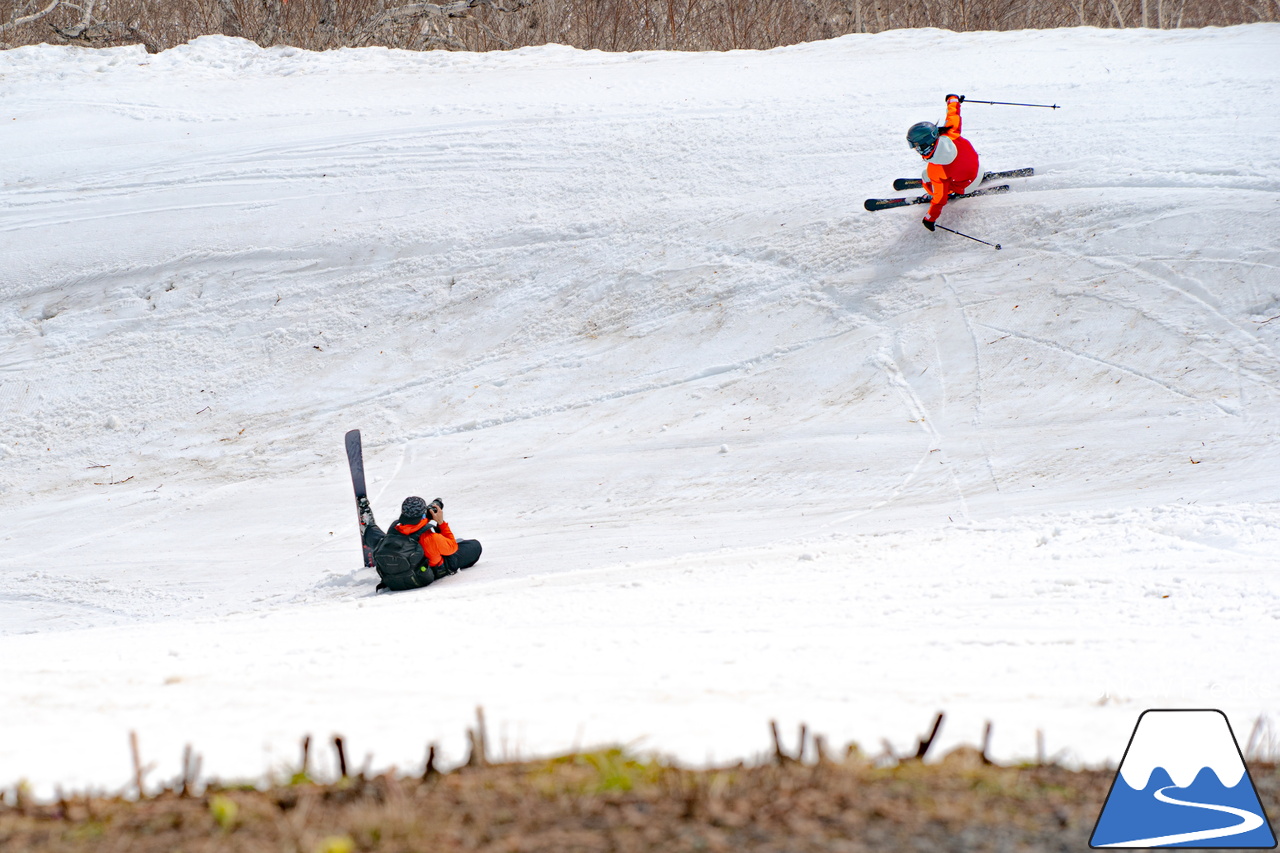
column 107, row 30
column 450, row 9
column 271, row 26
column 230, row 24
column 17, row 22
column 77, row 29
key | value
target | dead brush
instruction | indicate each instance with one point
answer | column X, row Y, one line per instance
column 606, row 799
column 611, row 25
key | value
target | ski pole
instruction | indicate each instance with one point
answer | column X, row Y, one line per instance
column 975, row 239
column 1011, row 104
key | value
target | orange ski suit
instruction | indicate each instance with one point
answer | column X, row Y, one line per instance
column 436, row 546
column 953, row 164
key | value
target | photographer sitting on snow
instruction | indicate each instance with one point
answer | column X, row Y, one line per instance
column 421, row 548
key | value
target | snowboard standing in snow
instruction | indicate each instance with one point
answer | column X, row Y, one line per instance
column 364, row 513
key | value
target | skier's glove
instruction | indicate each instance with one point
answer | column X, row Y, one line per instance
column 959, row 98
column 928, row 224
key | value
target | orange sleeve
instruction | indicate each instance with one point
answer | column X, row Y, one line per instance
column 937, row 174
column 951, row 127
column 437, row 546
column 448, row 534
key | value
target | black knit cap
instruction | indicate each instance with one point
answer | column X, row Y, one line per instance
column 414, row 509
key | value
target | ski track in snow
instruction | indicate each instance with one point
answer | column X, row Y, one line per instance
column 737, row 449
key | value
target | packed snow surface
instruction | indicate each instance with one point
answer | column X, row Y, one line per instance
column 737, row 450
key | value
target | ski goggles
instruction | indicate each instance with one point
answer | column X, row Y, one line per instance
column 924, row 149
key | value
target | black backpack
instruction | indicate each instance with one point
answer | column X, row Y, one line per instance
column 400, row 562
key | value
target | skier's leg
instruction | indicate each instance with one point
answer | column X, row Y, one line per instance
column 468, row 553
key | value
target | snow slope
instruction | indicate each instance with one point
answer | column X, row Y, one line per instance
column 736, row 448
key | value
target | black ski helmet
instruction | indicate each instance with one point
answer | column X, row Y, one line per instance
column 922, row 136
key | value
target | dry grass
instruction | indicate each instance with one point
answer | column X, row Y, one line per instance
column 613, row 25
column 605, row 801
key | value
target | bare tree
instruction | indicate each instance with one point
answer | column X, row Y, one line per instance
column 616, row 25
column 229, row 22
column 79, row 23
column 24, row 14
column 434, row 21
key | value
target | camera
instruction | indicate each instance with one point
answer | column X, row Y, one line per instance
column 435, row 506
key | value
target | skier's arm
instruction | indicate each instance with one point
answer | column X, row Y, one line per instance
column 937, row 174
column 436, row 514
column 437, row 545
column 951, row 126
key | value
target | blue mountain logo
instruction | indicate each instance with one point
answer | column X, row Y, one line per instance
column 1183, row 783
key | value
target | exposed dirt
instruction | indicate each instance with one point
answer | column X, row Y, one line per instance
column 605, row 801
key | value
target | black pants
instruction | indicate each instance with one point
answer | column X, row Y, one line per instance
column 372, row 536
column 466, row 556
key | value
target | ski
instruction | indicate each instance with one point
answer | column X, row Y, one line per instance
column 887, row 203
column 900, row 184
column 364, row 513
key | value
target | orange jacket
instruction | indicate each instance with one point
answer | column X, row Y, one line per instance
column 953, row 164
column 436, row 546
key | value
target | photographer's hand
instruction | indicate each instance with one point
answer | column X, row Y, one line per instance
column 436, row 513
